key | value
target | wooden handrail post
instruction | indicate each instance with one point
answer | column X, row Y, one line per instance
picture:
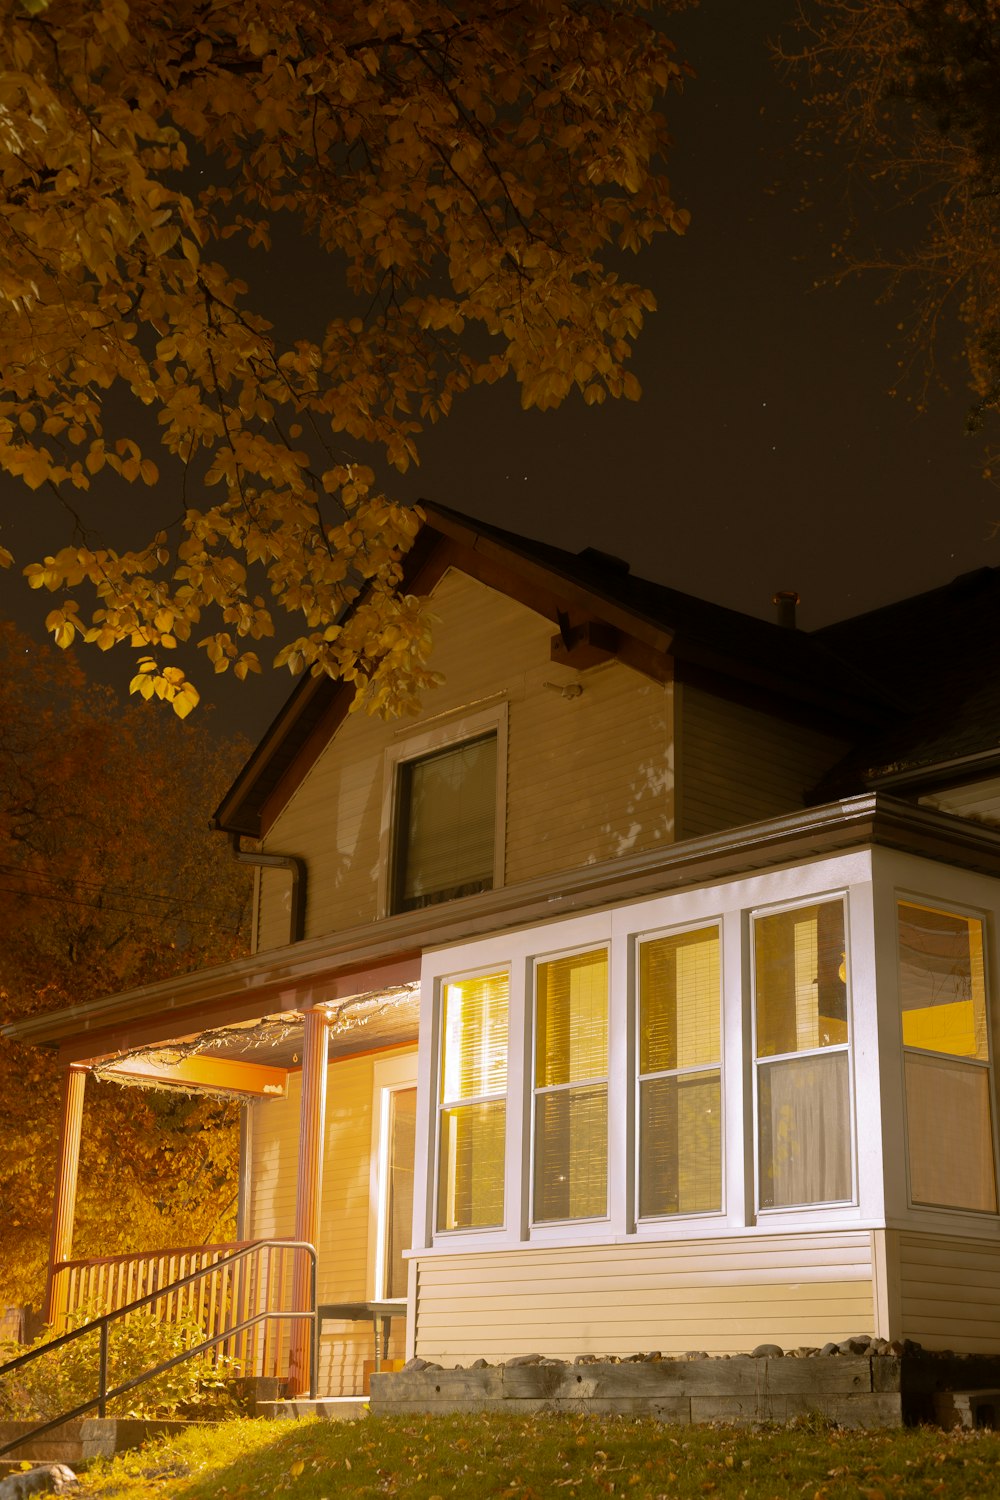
column 64, row 1206
column 309, row 1188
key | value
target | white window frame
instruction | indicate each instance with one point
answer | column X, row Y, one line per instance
column 729, row 906
column 390, row 1075
column 450, row 730
column 949, row 907
column 540, row 1228
column 638, row 939
column 801, row 1211
column 439, row 1104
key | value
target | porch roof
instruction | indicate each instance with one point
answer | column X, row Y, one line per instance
column 346, row 967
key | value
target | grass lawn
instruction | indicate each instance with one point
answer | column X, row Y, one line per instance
column 542, row 1458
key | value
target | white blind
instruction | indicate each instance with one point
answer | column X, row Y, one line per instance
column 680, row 1111
column 571, row 1091
column 473, row 1114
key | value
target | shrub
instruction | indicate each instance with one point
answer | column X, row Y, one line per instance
column 64, row 1378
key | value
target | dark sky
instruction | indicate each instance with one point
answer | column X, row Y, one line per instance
column 765, row 452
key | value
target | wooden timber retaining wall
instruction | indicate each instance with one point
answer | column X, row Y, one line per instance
column 870, row 1390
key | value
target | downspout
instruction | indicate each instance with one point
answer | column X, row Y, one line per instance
column 297, row 868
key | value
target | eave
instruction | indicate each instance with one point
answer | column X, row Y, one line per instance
column 331, row 967
column 559, row 587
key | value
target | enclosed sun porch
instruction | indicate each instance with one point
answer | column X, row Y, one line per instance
column 740, row 1090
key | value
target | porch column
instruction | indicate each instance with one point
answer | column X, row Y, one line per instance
column 309, row 1186
column 64, row 1207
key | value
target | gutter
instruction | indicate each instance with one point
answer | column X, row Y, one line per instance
column 278, row 976
column 297, row 868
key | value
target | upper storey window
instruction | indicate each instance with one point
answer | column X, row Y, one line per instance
column 443, row 819
column 446, row 824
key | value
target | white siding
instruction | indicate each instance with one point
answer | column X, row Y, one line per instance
column 721, row 1296
column 739, row 764
column 588, row 776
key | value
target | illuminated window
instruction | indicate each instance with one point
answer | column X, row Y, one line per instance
column 803, row 1089
column 445, row 825
column 680, row 1076
column 942, row 991
column 473, row 1108
column 571, row 1087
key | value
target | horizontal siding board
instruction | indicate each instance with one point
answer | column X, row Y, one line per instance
column 579, row 788
column 619, row 1299
column 740, row 763
column 950, row 1292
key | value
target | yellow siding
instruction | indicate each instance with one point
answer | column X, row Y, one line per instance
column 950, row 1292
column 342, row 1274
column 588, row 777
column 739, row 764
column 722, row 1296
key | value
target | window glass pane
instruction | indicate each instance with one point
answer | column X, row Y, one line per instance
column 474, row 1037
column 805, row 1132
column 470, row 1166
column 399, row 1188
column 447, row 823
column 800, row 966
column 949, row 1134
column 679, row 1001
column 571, row 1153
column 680, row 1123
column 571, row 1019
column 942, row 982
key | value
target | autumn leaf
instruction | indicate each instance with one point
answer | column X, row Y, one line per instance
column 475, row 215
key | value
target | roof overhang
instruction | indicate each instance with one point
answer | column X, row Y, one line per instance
column 342, row 969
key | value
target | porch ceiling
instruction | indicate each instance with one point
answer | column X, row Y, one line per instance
column 255, row 1057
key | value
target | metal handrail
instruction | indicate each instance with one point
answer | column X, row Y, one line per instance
column 103, row 1322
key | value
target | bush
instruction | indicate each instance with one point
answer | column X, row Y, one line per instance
column 64, row 1378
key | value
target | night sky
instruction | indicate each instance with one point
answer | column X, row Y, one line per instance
column 765, row 452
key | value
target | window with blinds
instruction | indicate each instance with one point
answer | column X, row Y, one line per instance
column 803, row 1082
column 946, row 1059
column 571, row 1087
column 473, row 1102
column 680, row 1074
column 445, row 830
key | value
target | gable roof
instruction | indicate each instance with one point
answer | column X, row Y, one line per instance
column 648, row 625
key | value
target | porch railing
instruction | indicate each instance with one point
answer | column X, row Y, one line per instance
column 233, row 1330
column 243, row 1285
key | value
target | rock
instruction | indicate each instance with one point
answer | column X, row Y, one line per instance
column 523, row 1359
column 859, row 1344
column 880, row 1346
column 830, row 1349
column 767, row 1351
column 416, row 1363
column 653, row 1356
column 48, row 1479
column 696, row 1354
column 480, row 1364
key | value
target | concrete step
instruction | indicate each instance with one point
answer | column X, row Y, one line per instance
column 329, row 1408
